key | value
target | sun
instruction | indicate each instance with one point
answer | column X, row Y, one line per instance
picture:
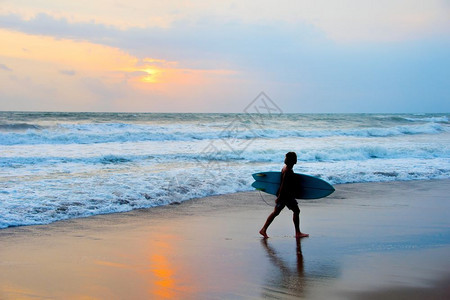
column 151, row 76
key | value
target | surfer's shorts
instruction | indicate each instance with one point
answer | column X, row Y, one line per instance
column 292, row 205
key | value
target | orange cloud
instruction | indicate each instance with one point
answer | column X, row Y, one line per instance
column 99, row 59
column 77, row 54
column 101, row 77
column 151, row 76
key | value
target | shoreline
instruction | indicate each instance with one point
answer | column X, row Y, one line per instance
column 366, row 240
column 184, row 202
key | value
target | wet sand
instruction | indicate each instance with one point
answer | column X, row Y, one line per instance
column 367, row 241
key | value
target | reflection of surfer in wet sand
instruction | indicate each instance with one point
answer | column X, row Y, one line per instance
column 286, row 197
column 290, row 279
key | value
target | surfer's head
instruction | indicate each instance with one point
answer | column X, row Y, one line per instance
column 291, row 159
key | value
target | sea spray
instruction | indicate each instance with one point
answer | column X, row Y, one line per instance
column 56, row 166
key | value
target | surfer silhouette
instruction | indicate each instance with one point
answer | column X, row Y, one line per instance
column 286, row 197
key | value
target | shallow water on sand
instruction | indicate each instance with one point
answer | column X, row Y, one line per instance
column 370, row 240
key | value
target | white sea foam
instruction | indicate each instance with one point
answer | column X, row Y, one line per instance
column 130, row 133
column 440, row 119
column 59, row 166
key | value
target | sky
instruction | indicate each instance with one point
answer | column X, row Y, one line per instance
column 322, row 56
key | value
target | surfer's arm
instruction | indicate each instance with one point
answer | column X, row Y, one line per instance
column 286, row 185
column 283, row 184
column 282, row 189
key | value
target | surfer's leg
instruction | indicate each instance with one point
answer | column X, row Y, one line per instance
column 269, row 220
column 296, row 219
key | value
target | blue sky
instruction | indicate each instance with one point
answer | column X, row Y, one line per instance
column 199, row 56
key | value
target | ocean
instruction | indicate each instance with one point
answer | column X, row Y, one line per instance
column 56, row 166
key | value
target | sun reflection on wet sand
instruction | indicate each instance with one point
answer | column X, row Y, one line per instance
column 165, row 275
column 163, row 281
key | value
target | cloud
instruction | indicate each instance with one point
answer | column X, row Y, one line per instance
column 353, row 57
column 68, row 72
column 108, row 79
column 202, row 44
column 5, row 68
column 342, row 21
column 45, row 24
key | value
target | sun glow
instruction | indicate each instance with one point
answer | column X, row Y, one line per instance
column 152, row 75
column 87, row 74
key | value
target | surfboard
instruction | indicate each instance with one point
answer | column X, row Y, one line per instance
column 307, row 187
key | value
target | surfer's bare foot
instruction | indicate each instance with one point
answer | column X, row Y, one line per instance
column 301, row 235
column 263, row 233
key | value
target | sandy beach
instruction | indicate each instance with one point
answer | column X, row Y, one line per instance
column 367, row 241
